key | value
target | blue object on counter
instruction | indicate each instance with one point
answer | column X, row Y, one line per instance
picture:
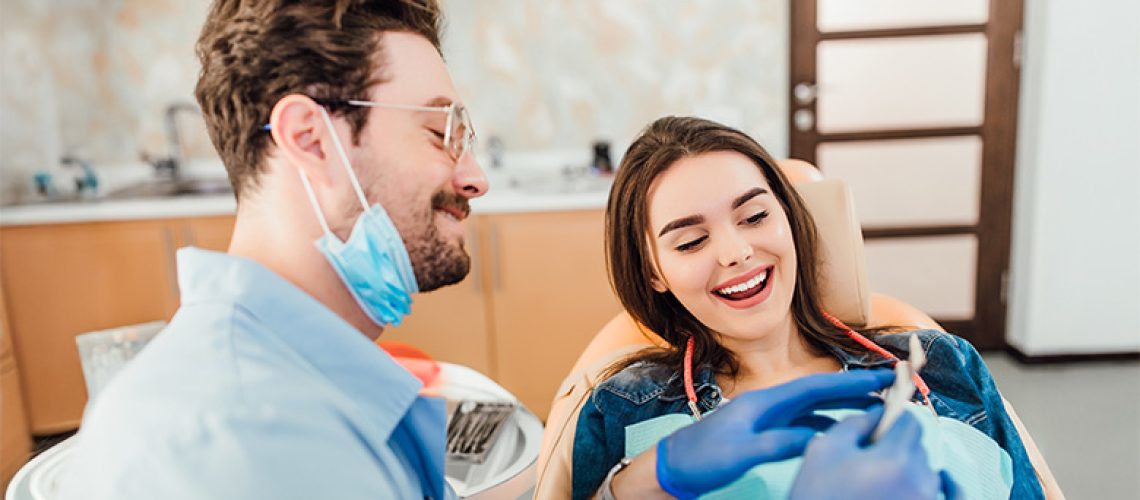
column 43, row 183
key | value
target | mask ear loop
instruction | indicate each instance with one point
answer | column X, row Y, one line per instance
column 344, row 163
column 690, row 392
column 344, row 159
column 871, row 346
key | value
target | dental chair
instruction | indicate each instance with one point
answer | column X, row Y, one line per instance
column 844, row 294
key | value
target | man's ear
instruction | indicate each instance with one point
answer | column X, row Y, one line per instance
column 303, row 138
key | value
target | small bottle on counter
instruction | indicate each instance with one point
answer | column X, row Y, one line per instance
column 602, row 164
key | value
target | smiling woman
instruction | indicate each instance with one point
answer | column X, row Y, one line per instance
column 710, row 247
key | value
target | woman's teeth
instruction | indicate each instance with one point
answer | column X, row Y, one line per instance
column 746, row 286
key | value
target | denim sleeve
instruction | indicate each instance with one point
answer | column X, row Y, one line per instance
column 599, row 443
column 971, row 379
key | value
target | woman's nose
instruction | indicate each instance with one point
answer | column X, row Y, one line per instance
column 734, row 251
column 469, row 179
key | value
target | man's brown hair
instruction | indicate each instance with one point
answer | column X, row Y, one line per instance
column 254, row 52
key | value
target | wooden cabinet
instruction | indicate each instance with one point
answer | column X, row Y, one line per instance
column 15, row 443
column 537, row 294
column 549, row 296
column 64, row 280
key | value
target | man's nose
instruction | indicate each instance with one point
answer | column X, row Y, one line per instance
column 469, row 179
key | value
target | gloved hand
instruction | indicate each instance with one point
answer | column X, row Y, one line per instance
column 840, row 464
column 758, row 427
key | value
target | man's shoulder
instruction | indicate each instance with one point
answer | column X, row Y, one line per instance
column 235, row 452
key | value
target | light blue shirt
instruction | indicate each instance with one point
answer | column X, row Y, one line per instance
column 256, row 390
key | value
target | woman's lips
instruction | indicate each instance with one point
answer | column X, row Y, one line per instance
column 749, row 298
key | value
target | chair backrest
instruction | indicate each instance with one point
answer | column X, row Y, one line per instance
column 844, row 293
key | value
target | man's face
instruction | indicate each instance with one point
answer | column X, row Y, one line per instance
column 402, row 163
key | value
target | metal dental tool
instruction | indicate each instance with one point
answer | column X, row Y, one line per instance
column 898, row 396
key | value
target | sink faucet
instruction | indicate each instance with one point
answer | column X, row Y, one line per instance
column 170, row 166
column 86, row 184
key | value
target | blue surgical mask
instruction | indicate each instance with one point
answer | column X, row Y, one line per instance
column 373, row 263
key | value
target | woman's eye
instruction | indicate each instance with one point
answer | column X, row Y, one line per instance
column 755, row 219
column 685, row 247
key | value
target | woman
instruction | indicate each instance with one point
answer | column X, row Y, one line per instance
column 710, row 247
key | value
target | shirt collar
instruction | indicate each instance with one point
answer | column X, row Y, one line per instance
column 866, row 359
column 342, row 354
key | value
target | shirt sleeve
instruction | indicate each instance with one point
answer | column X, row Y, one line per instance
column 301, row 453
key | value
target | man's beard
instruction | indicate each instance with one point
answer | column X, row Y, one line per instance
column 435, row 262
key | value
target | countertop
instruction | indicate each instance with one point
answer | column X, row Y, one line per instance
column 500, row 199
column 534, row 183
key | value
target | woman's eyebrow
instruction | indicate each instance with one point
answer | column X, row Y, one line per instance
column 748, row 195
column 691, row 220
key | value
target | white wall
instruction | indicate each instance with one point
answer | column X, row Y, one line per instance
column 1075, row 270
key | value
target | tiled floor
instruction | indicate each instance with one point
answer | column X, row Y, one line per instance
column 1085, row 418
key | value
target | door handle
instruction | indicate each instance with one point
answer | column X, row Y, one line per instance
column 804, row 120
column 804, row 93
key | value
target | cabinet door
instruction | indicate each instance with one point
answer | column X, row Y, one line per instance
column 15, row 443
column 450, row 324
column 64, row 280
column 550, row 296
column 208, row 233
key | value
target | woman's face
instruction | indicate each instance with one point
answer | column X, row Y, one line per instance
column 724, row 246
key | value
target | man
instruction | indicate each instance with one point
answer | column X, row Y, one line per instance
column 266, row 383
column 349, row 152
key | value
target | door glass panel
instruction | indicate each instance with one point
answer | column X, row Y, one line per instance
column 935, row 274
column 904, row 82
column 909, row 182
column 848, row 15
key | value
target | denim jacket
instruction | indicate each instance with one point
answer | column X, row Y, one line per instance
column 960, row 388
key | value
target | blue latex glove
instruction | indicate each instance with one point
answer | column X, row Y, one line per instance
column 840, row 465
column 758, row 427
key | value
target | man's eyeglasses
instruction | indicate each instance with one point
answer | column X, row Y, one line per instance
column 458, row 134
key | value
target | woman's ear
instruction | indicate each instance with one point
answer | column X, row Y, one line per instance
column 657, row 282
column 302, row 137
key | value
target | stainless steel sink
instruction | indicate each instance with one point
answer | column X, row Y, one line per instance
column 166, row 188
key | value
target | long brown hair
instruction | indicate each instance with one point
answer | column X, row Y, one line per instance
column 630, row 257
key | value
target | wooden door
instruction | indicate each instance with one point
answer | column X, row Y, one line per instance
column 450, row 324
column 914, row 104
column 549, row 295
column 64, row 280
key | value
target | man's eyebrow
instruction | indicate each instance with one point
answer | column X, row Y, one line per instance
column 751, row 193
column 438, row 102
column 691, row 220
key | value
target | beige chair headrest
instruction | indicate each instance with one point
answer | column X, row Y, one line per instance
column 843, row 278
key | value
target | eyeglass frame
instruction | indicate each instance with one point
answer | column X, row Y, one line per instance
column 467, row 142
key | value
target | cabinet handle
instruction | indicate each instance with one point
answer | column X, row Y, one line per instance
column 171, row 260
column 496, row 279
column 476, row 267
column 188, row 236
